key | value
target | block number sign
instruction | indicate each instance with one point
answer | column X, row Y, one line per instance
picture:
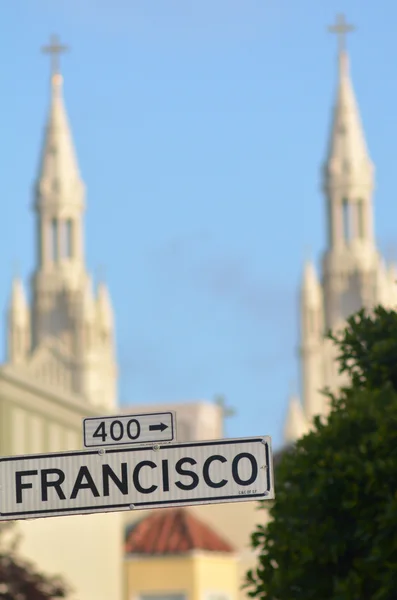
column 129, row 429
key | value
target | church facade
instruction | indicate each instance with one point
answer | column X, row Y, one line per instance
column 61, row 365
column 353, row 272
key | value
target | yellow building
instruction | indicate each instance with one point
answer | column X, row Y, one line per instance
column 235, row 521
column 172, row 555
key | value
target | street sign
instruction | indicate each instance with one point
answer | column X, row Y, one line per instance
column 129, row 429
column 115, row 479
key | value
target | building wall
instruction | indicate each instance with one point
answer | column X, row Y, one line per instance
column 86, row 550
column 159, row 576
column 196, row 576
column 216, row 577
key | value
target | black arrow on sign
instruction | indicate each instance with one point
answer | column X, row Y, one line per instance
column 160, row 427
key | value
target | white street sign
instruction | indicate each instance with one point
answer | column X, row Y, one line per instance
column 129, row 429
column 89, row 481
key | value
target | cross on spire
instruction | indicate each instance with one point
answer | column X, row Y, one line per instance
column 226, row 411
column 54, row 49
column 341, row 28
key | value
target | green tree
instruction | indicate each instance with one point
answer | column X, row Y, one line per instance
column 19, row 580
column 332, row 532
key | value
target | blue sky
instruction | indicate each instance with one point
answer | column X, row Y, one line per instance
column 200, row 128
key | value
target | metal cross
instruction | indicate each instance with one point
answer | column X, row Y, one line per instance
column 341, row 28
column 54, row 49
column 227, row 411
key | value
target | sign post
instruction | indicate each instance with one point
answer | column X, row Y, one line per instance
column 116, row 479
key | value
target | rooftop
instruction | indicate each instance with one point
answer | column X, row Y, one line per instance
column 173, row 531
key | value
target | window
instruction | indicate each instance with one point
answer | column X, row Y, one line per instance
column 69, row 238
column 164, row 596
column 312, row 321
column 360, row 219
column 54, row 240
column 346, row 219
column 216, row 596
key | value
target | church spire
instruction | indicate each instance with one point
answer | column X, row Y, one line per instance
column 348, row 170
column 65, row 339
column 59, row 198
column 296, row 425
column 19, row 332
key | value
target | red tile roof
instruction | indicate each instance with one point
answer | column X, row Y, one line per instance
column 173, row 531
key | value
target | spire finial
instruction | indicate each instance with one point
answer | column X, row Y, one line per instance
column 54, row 49
column 226, row 411
column 341, row 28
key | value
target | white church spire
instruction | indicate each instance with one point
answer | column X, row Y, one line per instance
column 59, row 169
column 70, row 346
column 311, row 293
column 18, row 345
column 348, row 170
column 18, row 304
column 347, row 152
column 59, row 197
column 104, row 308
column 312, row 331
column 353, row 275
column 296, row 424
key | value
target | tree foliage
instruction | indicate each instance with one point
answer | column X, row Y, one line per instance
column 368, row 349
column 19, row 580
column 333, row 528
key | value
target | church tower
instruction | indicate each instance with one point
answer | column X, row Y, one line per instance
column 351, row 259
column 66, row 338
column 354, row 275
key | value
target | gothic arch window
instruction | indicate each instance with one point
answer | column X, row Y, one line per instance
column 68, row 231
column 19, row 339
column 360, row 218
column 313, row 321
column 54, row 239
column 88, row 336
column 346, row 219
